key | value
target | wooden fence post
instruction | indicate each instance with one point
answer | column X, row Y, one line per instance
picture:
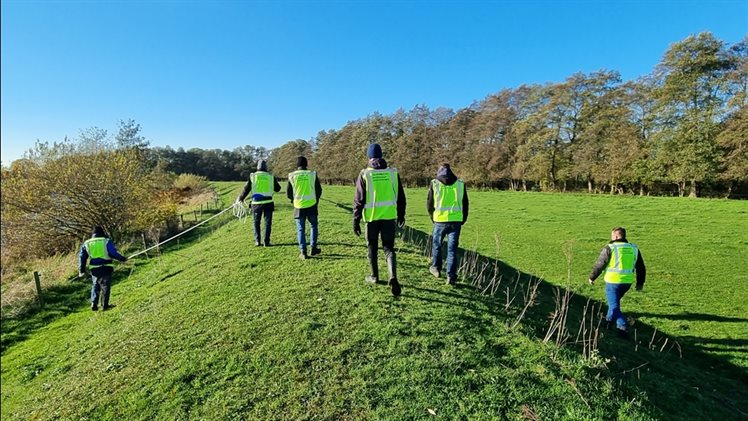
column 201, row 210
column 38, row 288
column 194, row 212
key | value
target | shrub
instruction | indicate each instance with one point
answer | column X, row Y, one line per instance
column 190, row 183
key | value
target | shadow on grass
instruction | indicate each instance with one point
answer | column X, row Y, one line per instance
column 678, row 376
column 59, row 300
column 74, row 295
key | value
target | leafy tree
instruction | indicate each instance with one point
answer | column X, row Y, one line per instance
column 50, row 205
column 128, row 135
column 282, row 160
column 692, row 92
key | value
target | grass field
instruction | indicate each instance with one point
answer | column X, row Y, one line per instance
column 695, row 250
column 215, row 328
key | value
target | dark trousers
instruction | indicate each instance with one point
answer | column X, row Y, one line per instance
column 257, row 214
column 301, row 230
column 101, row 284
column 385, row 229
column 614, row 293
column 451, row 230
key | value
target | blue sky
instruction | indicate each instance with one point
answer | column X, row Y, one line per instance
column 223, row 74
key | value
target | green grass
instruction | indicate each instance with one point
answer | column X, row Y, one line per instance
column 216, row 328
column 695, row 250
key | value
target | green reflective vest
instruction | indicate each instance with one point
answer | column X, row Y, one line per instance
column 381, row 194
column 448, row 201
column 304, row 193
column 96, row 249
column 262, row 184
column 622, row 265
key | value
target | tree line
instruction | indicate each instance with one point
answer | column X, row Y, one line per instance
column 680, row 129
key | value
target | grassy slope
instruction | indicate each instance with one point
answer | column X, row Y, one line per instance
column 221, row 329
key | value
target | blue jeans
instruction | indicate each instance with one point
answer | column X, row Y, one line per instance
column 102, row 283
column 614, row 293
column 301, row 230
column 267, row 212
column 452, row 231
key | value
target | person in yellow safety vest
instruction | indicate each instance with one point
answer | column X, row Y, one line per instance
column 622, row 263
column 448, row 206
column 262, row 185
column 304, row 191
column 380, row 201
column 97, row 254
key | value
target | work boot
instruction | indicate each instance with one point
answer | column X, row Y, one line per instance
column 609, row 324
column 391, row 265
column 109, row 307
column 371, row 279
column 302, row 255
column 451, row 280
column 267, row 244
column 316, row 250
column 622, row 333
column 395, row 287
column 434, row 271
column 94, row 307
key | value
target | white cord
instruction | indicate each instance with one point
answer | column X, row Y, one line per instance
column 187, row 230
column 240, row 211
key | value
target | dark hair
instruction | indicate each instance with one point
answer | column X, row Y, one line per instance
column 445, row 165
column 620, row 231
column 98, row 231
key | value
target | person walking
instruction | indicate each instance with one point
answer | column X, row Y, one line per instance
column 262, row 185
column 622, row 262
column 447, row 204
column 380, row 201
column 97, row 255
column 304, row 191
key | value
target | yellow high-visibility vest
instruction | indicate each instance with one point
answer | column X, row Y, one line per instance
column 381, row 190
column 304, row 193
column 622, row 265
column 262, row 184
column 448, row 201
column 96, row 249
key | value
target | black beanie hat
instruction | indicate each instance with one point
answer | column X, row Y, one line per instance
column 374, row 151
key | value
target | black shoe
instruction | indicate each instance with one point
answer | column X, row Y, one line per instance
column 316, row 251
column 395, row 287
column 609, row 324
column 302, row 256
column 109, row 307
column 267, row 244
column 257, row 244
column 94, row 307
column 622, row 334
column 451, row 281
column 371, row 279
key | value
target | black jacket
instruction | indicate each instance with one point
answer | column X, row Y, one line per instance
column 359, row 199
column 604, row 258
column 306, row 211
column 447, row 177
